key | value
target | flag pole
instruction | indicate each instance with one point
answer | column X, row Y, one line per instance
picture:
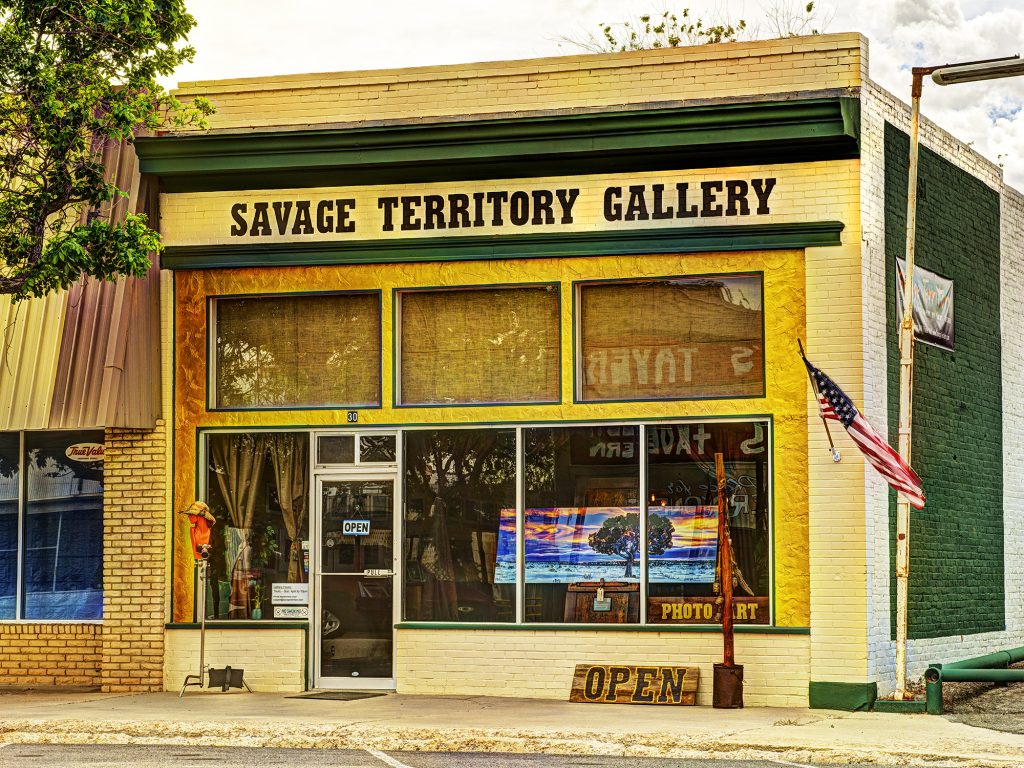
column 836, row 456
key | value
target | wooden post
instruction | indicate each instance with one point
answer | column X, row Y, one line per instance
column 725, row 563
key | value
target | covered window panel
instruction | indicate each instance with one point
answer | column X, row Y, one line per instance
column 582, row 517
column 10, row 478
column 294, row 351
column 63, row 544
column 671, row 338
column 460, row 525
column 480, row 345
column 682, row 522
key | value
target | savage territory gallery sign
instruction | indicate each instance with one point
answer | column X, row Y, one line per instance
column 722, row 197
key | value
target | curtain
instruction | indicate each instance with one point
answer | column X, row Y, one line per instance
column 289, row 455
column 496, row 345
column 239, row 468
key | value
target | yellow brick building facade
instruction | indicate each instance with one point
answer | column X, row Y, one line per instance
column 455, row 349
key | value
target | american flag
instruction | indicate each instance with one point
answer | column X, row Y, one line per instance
column 835, row 405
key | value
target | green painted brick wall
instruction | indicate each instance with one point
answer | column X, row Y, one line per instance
column 956, row 542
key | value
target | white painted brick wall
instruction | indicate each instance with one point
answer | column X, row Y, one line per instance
column 877, row 108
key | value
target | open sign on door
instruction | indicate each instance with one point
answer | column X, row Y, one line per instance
column 355, row 528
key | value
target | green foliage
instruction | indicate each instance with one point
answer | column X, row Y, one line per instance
column 667, row 30
column 620, row 536
column 76, row 77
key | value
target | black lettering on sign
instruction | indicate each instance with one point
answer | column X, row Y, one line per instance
column 763, row 189
column 324, row 221
column 303, row 221
column 594, row 686
column 282, row 212
column 388, row 205
column 519, row 208
column 345, row 223
column 624, row 684
column 567, row 199
column 410, row 219
column 458, row 211
column 433, row 216
column 241, row 226
column 260, row 220
column 612, row 206
column 710, row 207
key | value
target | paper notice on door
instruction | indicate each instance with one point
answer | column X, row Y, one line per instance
column 287, row 593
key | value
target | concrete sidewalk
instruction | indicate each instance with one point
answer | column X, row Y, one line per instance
column 422, row 723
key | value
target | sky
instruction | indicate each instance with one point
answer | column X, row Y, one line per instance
column 246, row 38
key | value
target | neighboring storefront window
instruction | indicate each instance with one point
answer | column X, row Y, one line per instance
column 258, row 489
column 582, row 536
column 480, row 345
column 671, row 338
column 10, row 480
column 316, row 350
column 59, row 569
column 683, row 520
column 460, row 525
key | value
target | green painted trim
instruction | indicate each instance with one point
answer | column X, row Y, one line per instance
column 900, row 707
column 396, row 402
column 749, row 629
column 790, row 236
column 716, row 135
column 240, row 624
column 849, row 697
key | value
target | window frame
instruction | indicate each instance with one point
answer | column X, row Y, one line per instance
column 578, row 366
column 22, row 532
column 212, row 357
column 396, row 342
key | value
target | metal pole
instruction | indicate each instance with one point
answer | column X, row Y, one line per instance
column 203, row 565
column 906, row 397
column 725, row 569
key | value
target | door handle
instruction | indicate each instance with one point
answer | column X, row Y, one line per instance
column 377, row 573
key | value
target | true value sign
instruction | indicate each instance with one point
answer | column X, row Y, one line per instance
column 623, row 684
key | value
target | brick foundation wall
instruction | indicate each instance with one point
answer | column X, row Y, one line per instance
column 37, row 655
column 134, row 559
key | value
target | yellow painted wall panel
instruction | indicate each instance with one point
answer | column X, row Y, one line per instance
column 786, row 378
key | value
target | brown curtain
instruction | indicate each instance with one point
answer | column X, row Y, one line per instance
column 289, row 455
column 239, row 468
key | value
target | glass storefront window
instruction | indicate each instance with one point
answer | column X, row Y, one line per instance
column 671, row 338
column 582, row 524
column 683, row 508
column 62, row 575
column 10, row 479
column 460, row 525
column 479, row 345
column 258, row 489
column 294, row 351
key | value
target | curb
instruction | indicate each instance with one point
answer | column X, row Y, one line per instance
column 367, row 736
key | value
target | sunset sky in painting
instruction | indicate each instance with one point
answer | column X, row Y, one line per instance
column 561, row 534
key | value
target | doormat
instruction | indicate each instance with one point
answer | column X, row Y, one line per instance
column 336, row 695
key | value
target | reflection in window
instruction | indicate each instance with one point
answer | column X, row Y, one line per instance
column 696, row 337
column 682, row 490
column 258, row 489
column 63, row 555
column 281, row 351
column 582, row 540
column 460, row 525
column 494, row 345
column 9, row 480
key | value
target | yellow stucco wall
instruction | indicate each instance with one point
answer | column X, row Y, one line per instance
column 785, row 400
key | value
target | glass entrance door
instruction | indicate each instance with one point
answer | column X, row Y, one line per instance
column 355, row 582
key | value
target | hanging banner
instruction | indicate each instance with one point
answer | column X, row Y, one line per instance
column 933, row 306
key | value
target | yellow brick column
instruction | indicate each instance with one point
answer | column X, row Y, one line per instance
column 134, row 563
column 838, row 530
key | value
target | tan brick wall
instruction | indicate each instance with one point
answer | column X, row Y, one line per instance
column 37, row 655
column 273, row 659
column 540, row 664
column 134, row 559
column 678, row 75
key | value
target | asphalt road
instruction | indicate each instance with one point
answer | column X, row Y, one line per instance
column 104, row 756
